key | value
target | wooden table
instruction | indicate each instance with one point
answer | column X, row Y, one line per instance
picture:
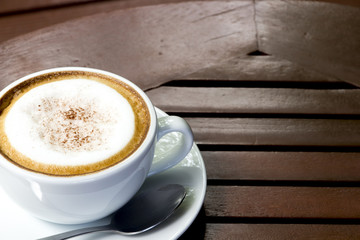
column 271, row 90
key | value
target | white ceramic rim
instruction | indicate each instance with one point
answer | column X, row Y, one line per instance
column 146, row 144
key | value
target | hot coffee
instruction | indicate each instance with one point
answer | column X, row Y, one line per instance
column 71, row 123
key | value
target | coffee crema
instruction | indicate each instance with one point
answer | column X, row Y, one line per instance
column 70, row 123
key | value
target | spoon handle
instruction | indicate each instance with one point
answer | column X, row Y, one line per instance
column 77, row 232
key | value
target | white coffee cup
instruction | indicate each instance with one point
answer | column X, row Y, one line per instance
column 87, row 197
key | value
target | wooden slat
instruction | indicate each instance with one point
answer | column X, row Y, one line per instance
column 318, row 35
column 282, row 202
column 281, row 231
column 264, row 68
column 12, row 26
column 148, row 45
column 22, row 5
column 14, row 6
column 284, row 166
column 354, row 3
column 272, row 131
column 16, row 25
column 256, row 100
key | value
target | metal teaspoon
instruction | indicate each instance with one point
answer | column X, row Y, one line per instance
column 143, row 212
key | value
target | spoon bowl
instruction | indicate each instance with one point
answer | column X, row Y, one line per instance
column 142, row 213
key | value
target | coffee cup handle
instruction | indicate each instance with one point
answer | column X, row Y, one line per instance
column 167, row 125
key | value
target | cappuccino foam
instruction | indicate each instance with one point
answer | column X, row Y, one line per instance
column 66, row 123
column 72, row 125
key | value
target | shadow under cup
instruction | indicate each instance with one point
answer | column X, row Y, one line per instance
column 72, row 195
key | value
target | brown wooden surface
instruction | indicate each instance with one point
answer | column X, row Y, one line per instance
column 307, row 36
column 256, row 100
column 275, row 202
column 283, row 232
column 270, row 89
column 282, row 166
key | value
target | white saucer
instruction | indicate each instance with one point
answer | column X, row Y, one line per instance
column 190, row 172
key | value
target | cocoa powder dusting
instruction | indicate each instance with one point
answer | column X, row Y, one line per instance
column 71, row 126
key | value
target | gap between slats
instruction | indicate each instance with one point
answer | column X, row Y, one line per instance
column 293, row 181
column 291, row 131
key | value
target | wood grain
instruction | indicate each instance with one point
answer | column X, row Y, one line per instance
column 318, row 35
column 41, row 13
column 306, row 41
column 354, row 3
column 14, row 25
column 282, row 202
column 282, row 231
column 283, row 166
column 265, row 68
column 276, row 131
column 148, row 45
column 256, row 100
column 22, row 5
